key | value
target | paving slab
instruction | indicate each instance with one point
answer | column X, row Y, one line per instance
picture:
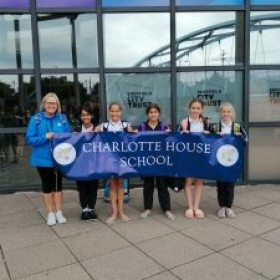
column 3, row 271
column 216, row 235
column 215, row 267
column 270, row 210
column 91, row 244
column 69, row 272
column 252, row 223
column 25, row 218
column 35, row 259
column 75, row 226
column 142, row 229
column 11, row 239
column 248, row 200
column 258, row 255
column 163, row 276
column 273, row 236
column 125, row 264
column 13, row 203
column 269, row 193
column 174, row 249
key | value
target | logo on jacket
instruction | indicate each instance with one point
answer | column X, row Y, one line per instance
column 227, row 155
column 64, row 153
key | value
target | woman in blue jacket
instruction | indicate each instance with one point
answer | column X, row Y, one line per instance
column 40, row 131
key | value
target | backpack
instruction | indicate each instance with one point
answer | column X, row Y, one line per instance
column 106, row 125
column 206, row 125
column 235, row 127
column 144, row 126
column 62, row 117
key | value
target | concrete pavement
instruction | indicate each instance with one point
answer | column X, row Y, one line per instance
column 244, row 248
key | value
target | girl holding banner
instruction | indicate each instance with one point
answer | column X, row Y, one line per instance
column 116, row 184
column 153, row 124
column 227, row 125
column 87, row 189
column 195, row 122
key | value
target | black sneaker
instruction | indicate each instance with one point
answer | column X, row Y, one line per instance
column 85, row 216
column 92, row 215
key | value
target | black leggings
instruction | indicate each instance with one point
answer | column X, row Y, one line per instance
column 51, row 179
column 87, row 193
column 225, row 193
column 163, row 194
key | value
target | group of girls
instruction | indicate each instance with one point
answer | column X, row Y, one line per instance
column 195, row 122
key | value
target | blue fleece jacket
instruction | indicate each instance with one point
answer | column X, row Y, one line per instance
column 39, row 125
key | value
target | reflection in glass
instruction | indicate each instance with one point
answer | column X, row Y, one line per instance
column 131, row 39
column 265, row 96
column 209, row 2
column 207, row 38
column 265, row 34
column 16, row 42
column 75, row 43
column 264, row 147
column 17, row 104
column 72, row 90
column 136, row 91
column 213, row 88
column 128, row 3
column 90, row 85
column 17, row 100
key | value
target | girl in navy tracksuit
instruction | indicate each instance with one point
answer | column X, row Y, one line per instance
column 87, row 189
column 39, row 133
column 153, row 124
column 225, row 190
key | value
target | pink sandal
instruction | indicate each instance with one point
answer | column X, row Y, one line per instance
column 189, row 214
column 199, row 214
column 111, row 220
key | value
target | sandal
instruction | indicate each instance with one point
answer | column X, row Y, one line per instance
column 125, row 218
column 189, row 214
column 199, row 214
column 111, row 220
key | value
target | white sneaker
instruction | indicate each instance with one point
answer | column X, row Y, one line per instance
column 51, row 219
column 222, row 212
column 60, row 218
column 230, row 213
column 145, row 214
column 169, row 215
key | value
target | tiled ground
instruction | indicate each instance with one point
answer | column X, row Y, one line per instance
column 244, row 248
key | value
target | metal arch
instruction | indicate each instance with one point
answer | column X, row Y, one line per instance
column 206, row 36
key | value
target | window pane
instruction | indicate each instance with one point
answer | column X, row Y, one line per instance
column 128, row 3
column 265, row 96
column 17, row 100
column 208, row 38
column 264, row 148
column 15, row 4
column 137, row 39
column 209, row 2
column 75, row 43
column 136, row 91
column 265, row 31
column 17, row 104
column 213, row 88
column 66, row 3
column 16, row 42
column 73, row 91
column 265, row 2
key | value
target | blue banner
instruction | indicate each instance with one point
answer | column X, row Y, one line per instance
column 83, row 156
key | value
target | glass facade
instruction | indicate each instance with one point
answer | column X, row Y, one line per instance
column 136, row 52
